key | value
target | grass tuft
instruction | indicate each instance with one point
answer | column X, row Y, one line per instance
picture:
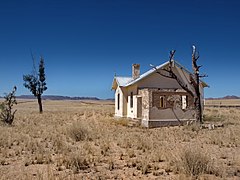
column 194, row 162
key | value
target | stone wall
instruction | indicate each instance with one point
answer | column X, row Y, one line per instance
column 144, row 93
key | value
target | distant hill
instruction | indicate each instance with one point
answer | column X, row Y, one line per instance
column 225, row 97
column 54, row 97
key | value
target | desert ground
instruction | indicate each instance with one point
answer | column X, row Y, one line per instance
column 82, row 140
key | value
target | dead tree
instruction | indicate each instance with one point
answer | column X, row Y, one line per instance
column 195, row 81
column 194, row 78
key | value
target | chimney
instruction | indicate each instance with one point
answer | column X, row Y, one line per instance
column 135, row 71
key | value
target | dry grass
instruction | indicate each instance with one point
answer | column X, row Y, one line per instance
column 194, row 162
column 223, row 102
column 75, row 140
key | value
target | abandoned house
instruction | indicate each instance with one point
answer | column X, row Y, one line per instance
column 154, row 99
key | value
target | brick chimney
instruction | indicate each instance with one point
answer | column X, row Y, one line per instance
column 135, row 71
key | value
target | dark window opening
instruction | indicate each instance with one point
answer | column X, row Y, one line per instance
column 186, row 101
column 118, row 101
column 131, row 100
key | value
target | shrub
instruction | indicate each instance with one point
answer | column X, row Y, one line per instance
column 6, row 115
column 144, row 166
column 80, row 131
column 76, row 162
column 195, row 162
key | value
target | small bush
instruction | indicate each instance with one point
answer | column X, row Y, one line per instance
column 131, row 153
column 195, row 162
column 80, row 132
column 144, row 165
column 76, row 162
column 6, row 115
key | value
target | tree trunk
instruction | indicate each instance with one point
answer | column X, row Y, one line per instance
column 196, row 84
column 40, row 103
column 198, row 104
column 198, row 109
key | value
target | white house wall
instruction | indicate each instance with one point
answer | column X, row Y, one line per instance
column 122, row 111
column 132, row 112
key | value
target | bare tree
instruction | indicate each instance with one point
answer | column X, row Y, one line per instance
column 195, row 81
column 194, row 78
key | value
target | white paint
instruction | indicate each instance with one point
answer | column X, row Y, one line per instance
column 184, row 102
column 122, row 111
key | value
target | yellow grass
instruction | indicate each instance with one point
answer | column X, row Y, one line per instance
column 75, row 140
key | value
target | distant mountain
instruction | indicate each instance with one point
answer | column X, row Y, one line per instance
column 231, row 97
column 225, row 97
column 54, row 97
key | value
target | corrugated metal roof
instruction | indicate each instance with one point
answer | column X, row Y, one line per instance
column 123, row 81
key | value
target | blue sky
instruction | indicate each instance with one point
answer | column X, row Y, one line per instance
column 85, row 42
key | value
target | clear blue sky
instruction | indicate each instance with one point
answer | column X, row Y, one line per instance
column 85, row 42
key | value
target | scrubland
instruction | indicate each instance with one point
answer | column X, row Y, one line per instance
column 82, row 140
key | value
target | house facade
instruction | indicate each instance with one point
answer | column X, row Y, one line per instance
column 154, row 99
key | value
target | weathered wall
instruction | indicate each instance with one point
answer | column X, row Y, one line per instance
column 172, row 109
column 171, row 97
column 171, row 114
column 144, row 93
column 172, row 105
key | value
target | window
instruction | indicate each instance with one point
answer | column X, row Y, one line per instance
column 118, row 101
column 131, row 100
column 161, row 103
